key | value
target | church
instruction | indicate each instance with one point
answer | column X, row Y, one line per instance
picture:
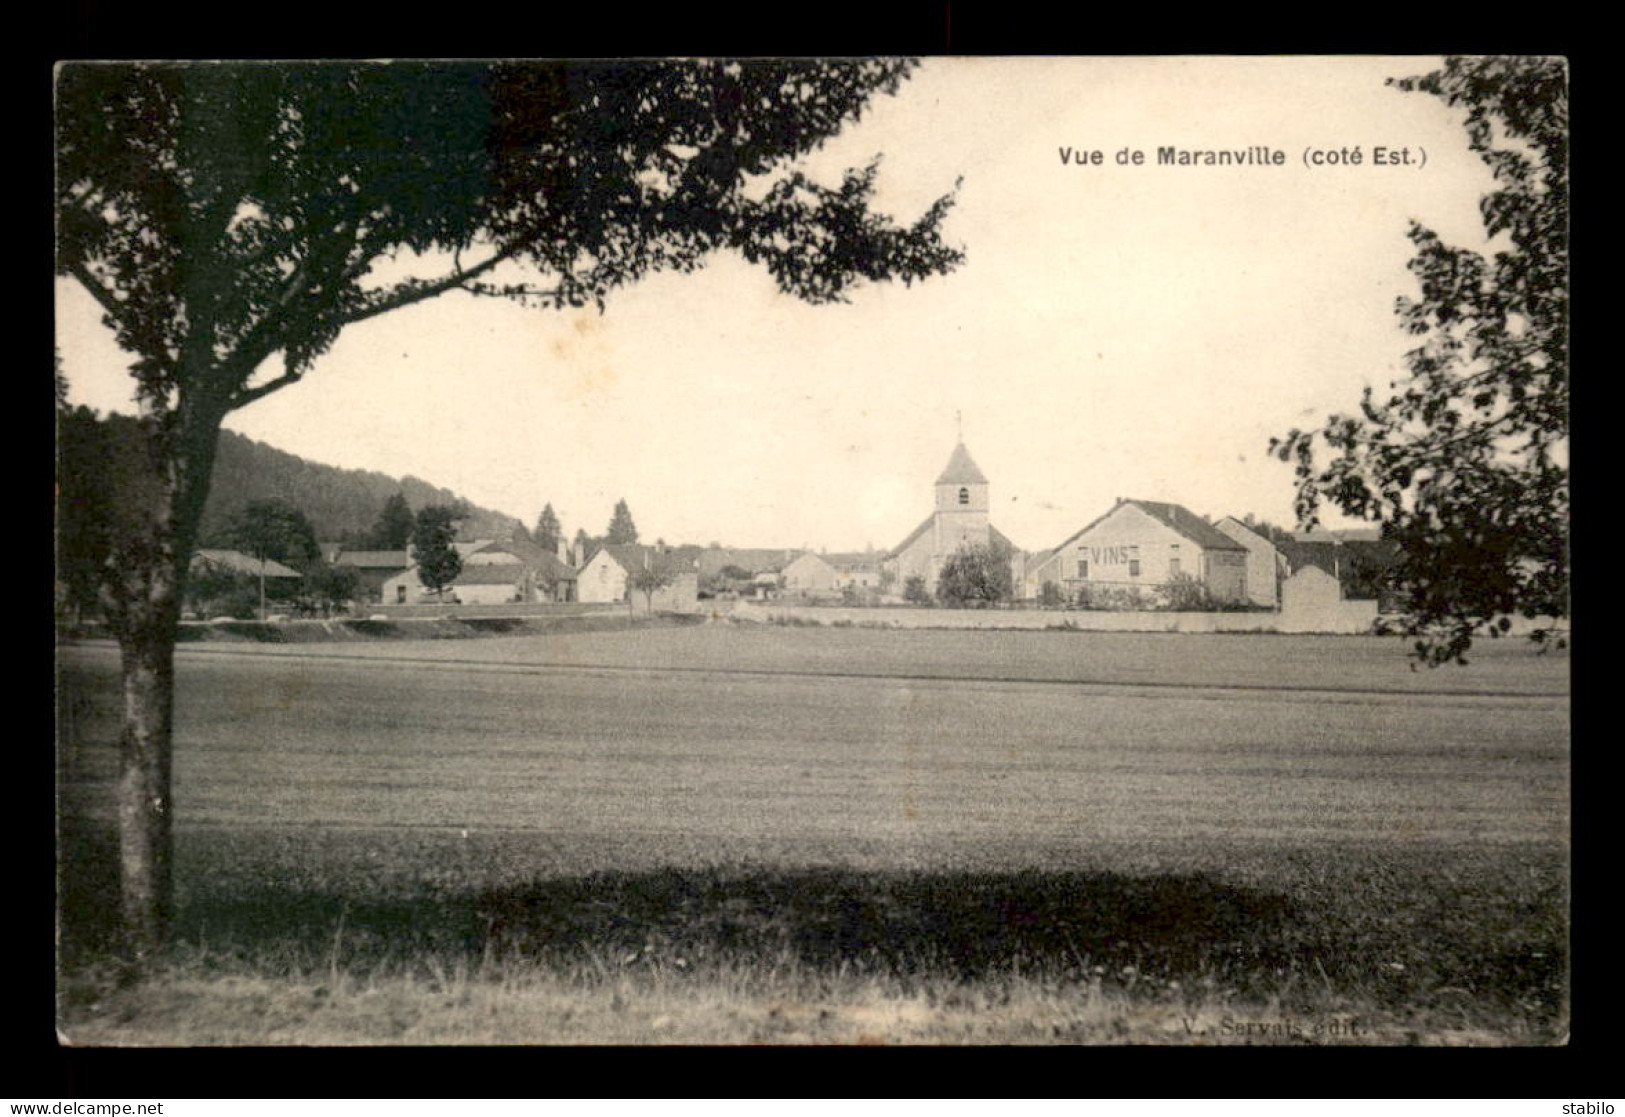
column 960, row 517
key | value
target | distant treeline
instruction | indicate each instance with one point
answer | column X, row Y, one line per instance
column 342, row 504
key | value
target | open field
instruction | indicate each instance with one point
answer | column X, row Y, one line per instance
column 723, row 834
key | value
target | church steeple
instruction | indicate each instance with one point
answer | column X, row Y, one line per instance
column 960, row 470
column 962, row 500
column 960, row 518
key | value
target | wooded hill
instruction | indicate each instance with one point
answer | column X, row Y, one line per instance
column 342, row 504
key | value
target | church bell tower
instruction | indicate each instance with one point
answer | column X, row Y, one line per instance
column 962, row 504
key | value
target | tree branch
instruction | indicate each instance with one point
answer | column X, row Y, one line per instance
column 245, row 396
column 406, row 294
column 100, row 293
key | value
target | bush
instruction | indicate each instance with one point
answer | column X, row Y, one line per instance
column 914, row 590
column 1111, row 599
column 1050, row 596
column 976, row 575
column 1183, row 593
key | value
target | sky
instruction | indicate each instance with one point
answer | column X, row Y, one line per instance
column 1117, row 330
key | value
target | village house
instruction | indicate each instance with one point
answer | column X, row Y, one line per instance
column 607, row 577
column 372, row 568
column 214, row 571
column 1139, row 546
column 857, row 569
column 493, row 573
column 226, row 561
column 1357, row 558
column 1267, row 567
column 809, row 575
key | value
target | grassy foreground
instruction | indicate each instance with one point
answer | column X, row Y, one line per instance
column 867, row 837
column 347, row 937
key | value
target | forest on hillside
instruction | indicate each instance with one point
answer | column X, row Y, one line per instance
column 342, row 504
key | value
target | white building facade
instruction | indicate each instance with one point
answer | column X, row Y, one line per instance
column 1140, row 548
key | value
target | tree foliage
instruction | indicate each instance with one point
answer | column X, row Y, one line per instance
column 976, row 575
column 221, row 591
column 914, row 591
column 275, row 529
column 1186, row 593
column 393, row 531
column 1464, row 460
column 434, row 538
column 327, row 589
column 233, row 219
column 548, row 530
column 647, row 580
column 84, row 505
column 621, row 528
column 223, row 213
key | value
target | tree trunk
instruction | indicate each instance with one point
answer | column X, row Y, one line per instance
column 145, row 812
column 142, row 590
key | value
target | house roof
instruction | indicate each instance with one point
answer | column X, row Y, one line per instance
column 377, row 560
column 1240, row 532
column 491, row 574
column 960, row 470
column 993, row 533
column 753, row 560
column 1188, row 524
column 635, row 556
column 913, row 536
column 242, row 564
column 1175, row 516
column 1346, row 556
column 518, row 553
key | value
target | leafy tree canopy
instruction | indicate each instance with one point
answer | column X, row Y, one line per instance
column 331, row 587
column 548, row 530
column 977, row 574
column 232, row 219
column 393, row 531
column 621, row 528
column 275, row 529
column 1464, row 460
column 223, row 213
column 434, row 538
column 649, row 579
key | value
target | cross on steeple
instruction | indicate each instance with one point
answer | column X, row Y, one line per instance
column 959, row 427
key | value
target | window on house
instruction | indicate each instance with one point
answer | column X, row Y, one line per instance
column 1173, row 567
column 964, row 496
column 400, row 595
column 1083, row 568
column 1133, row 568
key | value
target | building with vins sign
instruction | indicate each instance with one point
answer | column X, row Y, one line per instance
column 1145, row 549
